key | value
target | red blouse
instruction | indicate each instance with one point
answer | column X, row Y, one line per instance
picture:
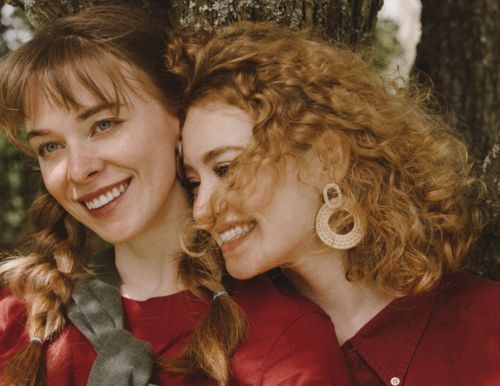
column 290, row 341
column 450, row 336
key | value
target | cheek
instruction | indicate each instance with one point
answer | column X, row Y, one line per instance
column 161, row 145
column 54, row 179
column 260, row 194
column 156, row 151
column 293, row 210
column 161, row 156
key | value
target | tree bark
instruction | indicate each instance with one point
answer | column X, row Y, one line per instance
column 349, row 21
column 463, row 61
column 485, row 258
column 459, row 52
column 43, row 12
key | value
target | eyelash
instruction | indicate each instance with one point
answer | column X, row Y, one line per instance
column 112, row 122
column 220, row 170
column 41, row 149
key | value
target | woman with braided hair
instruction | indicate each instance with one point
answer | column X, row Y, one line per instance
column 299, row 156
column 90, row 99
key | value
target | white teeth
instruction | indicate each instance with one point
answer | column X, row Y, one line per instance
column 234, row 233
column 102, row 200
column 107, row 197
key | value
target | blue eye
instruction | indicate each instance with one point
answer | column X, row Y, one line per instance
column 47, row 148
column 103, row 125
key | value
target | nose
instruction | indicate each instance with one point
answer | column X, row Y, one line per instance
column 83, row 163
column 201, row 205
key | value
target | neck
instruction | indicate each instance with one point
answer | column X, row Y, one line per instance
column 321, row 277
column 148, row 264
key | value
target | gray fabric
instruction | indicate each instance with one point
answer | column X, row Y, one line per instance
column 96, row 310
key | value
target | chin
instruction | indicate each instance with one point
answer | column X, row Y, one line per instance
column 240, row 275
column 115, row 237
column 242, row 272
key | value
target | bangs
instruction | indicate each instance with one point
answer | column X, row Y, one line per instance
column 54, row 75
column 52, row 68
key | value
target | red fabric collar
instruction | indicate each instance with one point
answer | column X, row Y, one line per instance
column 400, row 326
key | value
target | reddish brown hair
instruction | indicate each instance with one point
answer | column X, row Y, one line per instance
column 93, row 46
column 407, row 171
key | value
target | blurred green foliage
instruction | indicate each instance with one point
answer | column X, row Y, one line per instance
column 18, row 180
column 18, row 184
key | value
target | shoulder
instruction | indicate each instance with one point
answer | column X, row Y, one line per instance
column 467, row 314
column 11, row 307
column 261, row 297
column 466, row 302
column 461, row 341
column 13, row 334
column 12, row 315
column 290, row 340
column 273, row 310
column 465, row 291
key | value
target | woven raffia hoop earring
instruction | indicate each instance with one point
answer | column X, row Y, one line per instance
column 323, row 229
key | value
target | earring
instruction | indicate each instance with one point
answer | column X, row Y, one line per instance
column 179, row 162
column 323, row 229
column 178, row 148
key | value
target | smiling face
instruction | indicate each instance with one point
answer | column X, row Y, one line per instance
column 111, row 169
column 270, row 231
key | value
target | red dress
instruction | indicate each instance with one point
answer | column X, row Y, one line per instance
column 290, row 341
column 447, row 337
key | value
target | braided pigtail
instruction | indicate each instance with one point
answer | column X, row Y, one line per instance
column 222, row 328
column 43, row 280
column 201, row 269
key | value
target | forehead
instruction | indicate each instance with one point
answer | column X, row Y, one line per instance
column 75, row 87
column 42, row 105
column 212, row 125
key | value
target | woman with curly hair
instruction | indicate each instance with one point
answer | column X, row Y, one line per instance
column 298, row 157
column 90, row 99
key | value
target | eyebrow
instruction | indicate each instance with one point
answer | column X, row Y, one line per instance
column 218, row 151
column 212, row 154
column 82, row 116
column 87, row 113
column 36, row 133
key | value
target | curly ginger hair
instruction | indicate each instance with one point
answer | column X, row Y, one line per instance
column 408, row 172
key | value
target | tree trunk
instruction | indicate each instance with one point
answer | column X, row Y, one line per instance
column 485, row 258
column 459, row 52
column 42, row 12
column 349, row 21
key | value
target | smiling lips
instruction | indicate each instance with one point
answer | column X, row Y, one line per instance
column 106, row 197
column 234, row 232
